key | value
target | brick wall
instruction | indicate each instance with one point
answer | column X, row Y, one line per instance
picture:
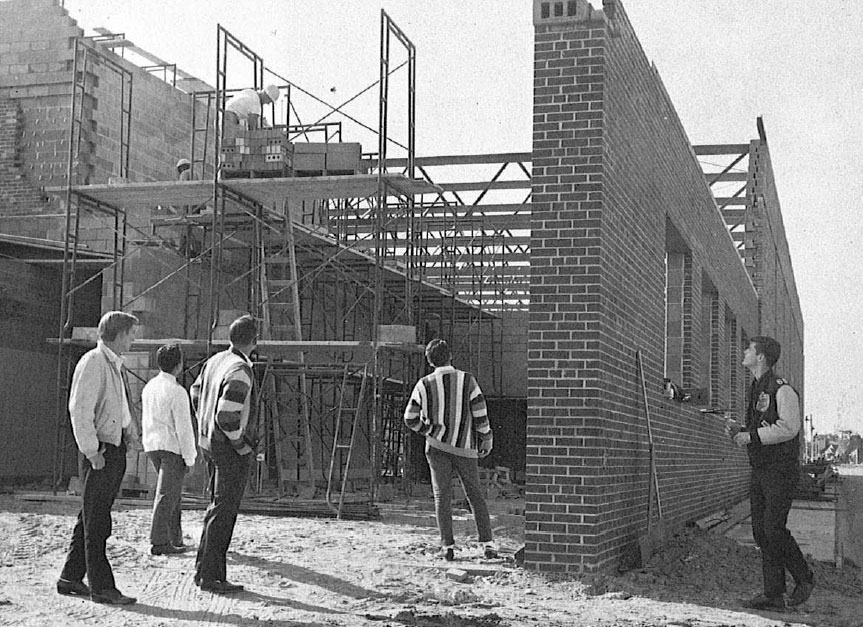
column 617, row 190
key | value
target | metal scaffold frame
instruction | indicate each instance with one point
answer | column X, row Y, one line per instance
column 85, row 55
column 358, row 255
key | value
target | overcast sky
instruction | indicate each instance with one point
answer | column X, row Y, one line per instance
column 797, row 63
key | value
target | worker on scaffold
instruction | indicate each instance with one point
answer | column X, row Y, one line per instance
column 243, row 110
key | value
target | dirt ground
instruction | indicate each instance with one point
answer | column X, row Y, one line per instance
column 319, row 572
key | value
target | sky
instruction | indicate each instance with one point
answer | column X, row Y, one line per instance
column 796, row 63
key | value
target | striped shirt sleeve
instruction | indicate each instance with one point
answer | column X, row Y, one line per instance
column 415, row 417
column 479, row 411
column 195, row 392
column 229, row 410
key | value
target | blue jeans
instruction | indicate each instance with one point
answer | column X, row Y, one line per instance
column 442, row 465
column 165, row 527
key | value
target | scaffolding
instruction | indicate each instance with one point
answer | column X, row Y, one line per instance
column 329, row 264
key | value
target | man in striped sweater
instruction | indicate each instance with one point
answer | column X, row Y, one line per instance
column 222, row 397
column 448, row 408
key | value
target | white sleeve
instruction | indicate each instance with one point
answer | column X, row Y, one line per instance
column 788, row 425
column 183, row 425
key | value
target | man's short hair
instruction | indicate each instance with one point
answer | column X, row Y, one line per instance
column 438, row 353
column 243, row 331
column 767, row 346
column 169, row 357
column 115, row 322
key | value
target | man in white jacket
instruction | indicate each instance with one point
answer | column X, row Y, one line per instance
column 169, row 441
column 101, row 413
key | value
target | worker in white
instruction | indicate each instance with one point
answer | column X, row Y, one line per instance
column 184, row 170
column 245, row 107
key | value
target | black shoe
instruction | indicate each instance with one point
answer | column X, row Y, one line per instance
column 448, row 554
column 762, row 602
column 490, row 554
column 801, row 593
column 167, row 549
column 220, row 587
column 112, row 597
column 72, row 588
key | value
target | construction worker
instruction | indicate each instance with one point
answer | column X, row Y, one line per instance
column 223, row 399
column 184, row 170
column 772, row 437
column 448, row 408
column 244, row 108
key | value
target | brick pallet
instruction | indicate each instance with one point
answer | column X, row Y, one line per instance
column 259, row 153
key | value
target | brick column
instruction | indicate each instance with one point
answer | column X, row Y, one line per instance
column 565, row 441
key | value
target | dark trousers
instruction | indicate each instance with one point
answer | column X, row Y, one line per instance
column 165, row 527
column 771, row 494
column 93, row 528
column 442, row 465
column 228, row 473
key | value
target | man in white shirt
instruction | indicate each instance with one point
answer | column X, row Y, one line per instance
column 245, row 107
column 99, row 406
column 169, row 441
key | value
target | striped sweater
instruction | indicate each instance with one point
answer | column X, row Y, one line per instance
column 448, row 408
column 222, row 399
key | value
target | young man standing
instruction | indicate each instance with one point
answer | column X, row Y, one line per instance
column 448, row 408
column 169, row 441
column 100, row 409
column 223, row 399
column 772, row 438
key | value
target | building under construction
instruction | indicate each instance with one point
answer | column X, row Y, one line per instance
column 579, row 281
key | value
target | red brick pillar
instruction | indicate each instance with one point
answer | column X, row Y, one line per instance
column 565, row 442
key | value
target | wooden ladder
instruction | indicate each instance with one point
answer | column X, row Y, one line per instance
column 344, row 438
column 286, row 289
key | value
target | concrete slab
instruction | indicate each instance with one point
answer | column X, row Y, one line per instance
column 849, row 516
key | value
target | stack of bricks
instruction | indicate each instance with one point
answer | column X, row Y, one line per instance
column 264, row 150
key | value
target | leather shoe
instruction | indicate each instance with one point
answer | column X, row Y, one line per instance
column 220, row 587
column 167, row 549
column 801, row 593
column 763, row 602
column 72, row 588
column 112, row 597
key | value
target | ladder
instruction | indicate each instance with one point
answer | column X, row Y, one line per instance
column 280, row 313
column 344, row 438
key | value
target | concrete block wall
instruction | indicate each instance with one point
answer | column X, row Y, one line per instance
column 37, row 40
column 617, row 190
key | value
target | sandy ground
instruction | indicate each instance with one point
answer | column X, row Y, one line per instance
column 387, row 573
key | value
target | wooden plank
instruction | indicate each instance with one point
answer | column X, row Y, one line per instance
column 265, row 191
column 721, row 149
column 716, row 177
column 729, row 201
column 474, row 570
